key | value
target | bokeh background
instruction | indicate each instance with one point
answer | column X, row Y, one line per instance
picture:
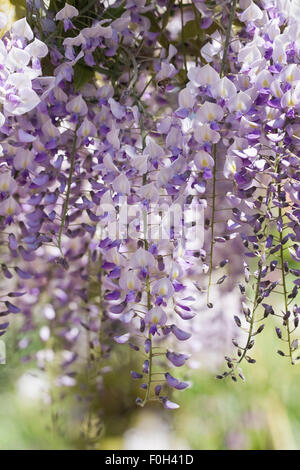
column 261, row 413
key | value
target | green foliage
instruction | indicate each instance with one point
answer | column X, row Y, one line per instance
column 156, row 28
column 82, row 75
column 20, row 7
column 114, row 13
column 191, row 30
column 262, row 413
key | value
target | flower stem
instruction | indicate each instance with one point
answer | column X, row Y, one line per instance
column 227, row 39
column 149, row 337
column 148, row 288
column 212, row 230
column 100, row 301
column 285, row 294
column 252, row 321
column 66, row 204
column 283, row 276
column 223, row 68
column 182, row 38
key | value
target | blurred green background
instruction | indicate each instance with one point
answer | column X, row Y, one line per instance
column 262, row 413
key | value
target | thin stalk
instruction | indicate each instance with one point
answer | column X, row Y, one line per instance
column 166, row 16
column 150, row 336
column 145, row 88
column 223, row 67
column 283, row 276
column 252, row 321
column 148, row 288
column 66, row 204
column 100, row 301
column 255, row 301
column 182, row 38
column 227, row 39
column 212, row 224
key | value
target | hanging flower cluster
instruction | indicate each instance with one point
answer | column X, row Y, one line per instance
column 150, row 162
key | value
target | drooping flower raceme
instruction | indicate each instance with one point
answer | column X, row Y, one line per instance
column 141, row 180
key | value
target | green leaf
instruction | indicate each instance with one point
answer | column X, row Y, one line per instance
column 154, row 28
column 191, row 30
column 213, row 27
column 82, row 76
column 114, row 13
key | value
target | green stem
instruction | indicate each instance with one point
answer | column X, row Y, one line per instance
column 145, row 88
column 260, row 266
column 100, row 302
column 223, row 67
column 149, row 374
column 200, row 39
column 148, row 288
column 212, row 231
column 167, row 14
column 182, row 38
column 285, row 293
column 227, row 39
column 252, row 321
column 66, row 204
column 150, row 336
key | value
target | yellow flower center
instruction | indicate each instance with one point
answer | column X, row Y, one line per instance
column 162, row 291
